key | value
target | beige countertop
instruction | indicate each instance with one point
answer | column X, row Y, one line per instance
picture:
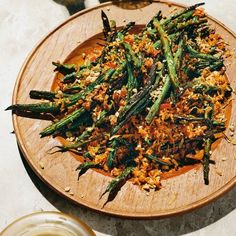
column 22, row 24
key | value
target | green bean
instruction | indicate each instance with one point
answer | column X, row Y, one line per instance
column 69, row 78
column 132, row 82
column 182, row 13
column 86, row 133
column 35, row 94
column 156, row 106
column 195, row 54
column 206, row 159
column 150, row 23
column 106, row 25
column 199, row 66
column 114, row 144
column 168, row 55
column 192, row 22
column 78, row 144
column 179, row 54
column 116, row 35
column 174, row 21
column 81, row 95
column 135, row 59
column 64, row 68
column 63, row 122
column 85, row 166
column 45, row 107
column 74, row 87
column 172, row 37
column 139, row 101
column 112, row 154
column 53, row 107
column 115, row 182
column 158, row 160
column 166, row 87
column 173, row 24
column 125, row 29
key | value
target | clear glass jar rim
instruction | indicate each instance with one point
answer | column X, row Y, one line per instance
column 49, row 217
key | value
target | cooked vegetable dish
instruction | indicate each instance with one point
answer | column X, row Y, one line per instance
column 147, row 103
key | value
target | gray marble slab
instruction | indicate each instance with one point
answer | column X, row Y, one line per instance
column 22, row 24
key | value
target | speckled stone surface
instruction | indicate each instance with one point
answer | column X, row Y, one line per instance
column 22, row 24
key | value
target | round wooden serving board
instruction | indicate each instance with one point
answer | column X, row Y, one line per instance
column 179, row 194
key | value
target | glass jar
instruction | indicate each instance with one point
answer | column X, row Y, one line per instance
column 48, row 224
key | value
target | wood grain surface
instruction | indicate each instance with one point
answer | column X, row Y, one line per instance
column 179, row 194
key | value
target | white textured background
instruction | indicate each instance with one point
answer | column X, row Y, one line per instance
column 22, row 24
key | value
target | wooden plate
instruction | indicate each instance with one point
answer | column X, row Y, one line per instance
column 179, row 194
